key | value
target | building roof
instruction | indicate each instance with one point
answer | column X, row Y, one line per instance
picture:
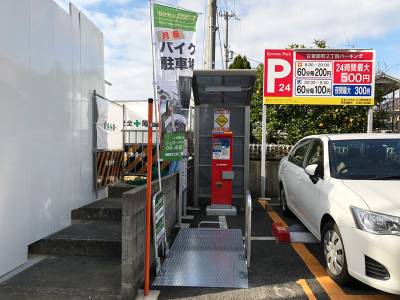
column 387, row 83
column 230, row 87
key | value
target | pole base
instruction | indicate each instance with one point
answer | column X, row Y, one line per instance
column 153, row 294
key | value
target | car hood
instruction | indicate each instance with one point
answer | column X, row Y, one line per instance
column 382, row 196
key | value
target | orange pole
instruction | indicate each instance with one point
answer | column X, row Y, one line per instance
column 148, row 196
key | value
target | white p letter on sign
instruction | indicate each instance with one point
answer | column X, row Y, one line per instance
column 273, row 74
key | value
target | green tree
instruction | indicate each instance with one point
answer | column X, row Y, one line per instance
column 289, row 123
column 240, row 62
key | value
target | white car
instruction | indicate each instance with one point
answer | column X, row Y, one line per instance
column 345, row 188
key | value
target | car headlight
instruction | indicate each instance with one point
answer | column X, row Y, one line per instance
column 376, row 223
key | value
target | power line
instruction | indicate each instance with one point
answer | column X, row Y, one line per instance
column 257, row 61
column 220, row 44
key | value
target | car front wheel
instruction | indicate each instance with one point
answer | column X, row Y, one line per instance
column 334, row 254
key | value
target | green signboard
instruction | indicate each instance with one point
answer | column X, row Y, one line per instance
column 174, row 18
column 173, row 146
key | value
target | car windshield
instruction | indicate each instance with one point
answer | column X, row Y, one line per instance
column 377, row 159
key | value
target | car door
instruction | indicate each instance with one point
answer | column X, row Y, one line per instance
column 308, row 192
column 292, row 173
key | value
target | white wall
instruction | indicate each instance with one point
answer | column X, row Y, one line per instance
column 50, row 63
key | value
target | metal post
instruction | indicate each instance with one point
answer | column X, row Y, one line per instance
column 94, row 140
column 370, row 125
column 212, row 13
column 123, row 126
column 226, row 16
column 248, row 227
column 393, row 109
column 157, row 116
column 180, row 196
column 148, row 197
column 196, row 157
column 263, row 149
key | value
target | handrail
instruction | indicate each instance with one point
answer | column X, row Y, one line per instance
column 248, row 227
column 210, row 222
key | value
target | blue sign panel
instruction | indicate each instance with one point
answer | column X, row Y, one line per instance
column 352, row 90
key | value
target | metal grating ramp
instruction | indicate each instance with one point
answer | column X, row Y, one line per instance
column 205, row 258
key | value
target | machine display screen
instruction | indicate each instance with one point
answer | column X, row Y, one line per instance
column 221, row 149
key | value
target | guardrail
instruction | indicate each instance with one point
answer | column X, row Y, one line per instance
column 248, row 228
column 273, row 151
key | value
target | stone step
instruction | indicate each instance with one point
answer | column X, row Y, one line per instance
column 117, row 189
column 86, row 238
column 108, row 209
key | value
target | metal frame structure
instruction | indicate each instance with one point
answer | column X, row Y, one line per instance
column 223, row 101
column 248, row 227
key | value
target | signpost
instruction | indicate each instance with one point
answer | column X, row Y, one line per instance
column 174, row 144
column 317, row 77
column 159, row 227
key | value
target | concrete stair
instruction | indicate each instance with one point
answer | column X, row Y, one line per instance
column 95, row 231
column 87, row 238
column 108, row 209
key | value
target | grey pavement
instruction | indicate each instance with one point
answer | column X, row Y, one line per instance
column 275, row 269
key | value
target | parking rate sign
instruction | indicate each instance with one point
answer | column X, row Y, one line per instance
column 320, row 77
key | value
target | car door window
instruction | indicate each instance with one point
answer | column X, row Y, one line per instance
column 298, row 154
column 316, row 156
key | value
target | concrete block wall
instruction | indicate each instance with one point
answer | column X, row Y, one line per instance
column 133, row 231
column 272, row 184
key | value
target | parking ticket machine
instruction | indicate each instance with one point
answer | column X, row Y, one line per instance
column 221, row 166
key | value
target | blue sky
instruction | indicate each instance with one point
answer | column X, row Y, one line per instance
column 263, row 24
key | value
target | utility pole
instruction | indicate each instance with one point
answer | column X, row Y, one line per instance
column 227, row 16
column 212, row 28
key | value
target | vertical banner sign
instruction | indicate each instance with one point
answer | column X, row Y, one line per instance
column 319, row 76
column 110, row 120
column 175, row 47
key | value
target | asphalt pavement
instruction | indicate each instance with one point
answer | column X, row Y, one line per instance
column 278, row 271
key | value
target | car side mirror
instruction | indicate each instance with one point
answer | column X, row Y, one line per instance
column 311, row 170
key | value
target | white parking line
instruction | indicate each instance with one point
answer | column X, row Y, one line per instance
column 263, row 238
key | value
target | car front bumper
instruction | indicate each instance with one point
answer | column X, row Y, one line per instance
column 385, row 249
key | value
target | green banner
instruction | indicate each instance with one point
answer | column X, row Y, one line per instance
column 174, row 144
column 174, row 18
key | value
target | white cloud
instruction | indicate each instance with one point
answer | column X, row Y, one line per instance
column 275, row 24
column 264, row 24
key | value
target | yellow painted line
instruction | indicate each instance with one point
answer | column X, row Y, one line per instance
column 304, row 285
column 331, row 288
column 263, row 203
column 276, row 218
column 263, row 199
